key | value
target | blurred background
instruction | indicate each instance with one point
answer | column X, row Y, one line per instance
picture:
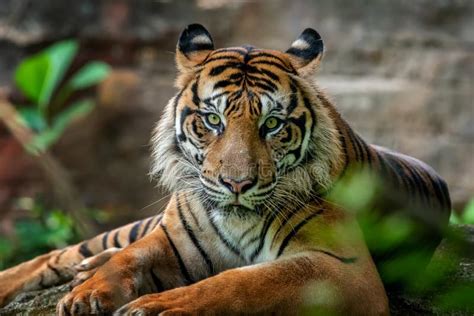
column 74, row 146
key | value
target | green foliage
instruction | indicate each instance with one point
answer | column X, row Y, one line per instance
column 466, row 217
column 50, row 135
column 39, row 78
column 459, row 297
column 39, row 75
column 357, row 192
column 43, row 231
column 89, row 75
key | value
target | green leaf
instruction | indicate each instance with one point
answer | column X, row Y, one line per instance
column 60, row 56
column 76, row 110
column 468, row 214
column 48, row 137
column 33, row 118
column 44, row 140
column 38, row 76
column 30, row 76
column 89, row 75
column 454, row 219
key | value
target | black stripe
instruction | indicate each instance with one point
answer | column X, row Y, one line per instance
column 272, row 63
column 224, row 240
column 210, row 189
column 414, row 187
column 383, row 165
column 182, row 266
column 441, row 191
column 147, row 225
column 368, row 152
column 116, row 239
column 158, row 219
column 158, row 284
column 262, row 86
column 342, row 140
column 247, row 231
column 257, row 54
column 293, row 98
column 215, row 96
column 286, row 220
column 132, row 236
column 226, row 57
column 104, row 240
column 362, row 148
column 84, row 250
column 268, row 222
column 405, row 182
column 355, row 145
column 267, row 82
column 223, row 84
column 193, row 238
column 308, row 105
column 55, row 270
column 419, row 181
column 58, row 257
column 196, row 222
column 342, row 259
column 293, row 232
column 194, row 90
column 269, row 73
column 221, row 68
column 251, row 241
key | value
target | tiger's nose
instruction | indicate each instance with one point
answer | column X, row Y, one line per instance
column 237, row 186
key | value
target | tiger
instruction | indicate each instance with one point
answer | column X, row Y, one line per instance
column 250, row 148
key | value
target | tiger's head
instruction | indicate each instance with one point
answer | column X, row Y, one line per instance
column 248, row 128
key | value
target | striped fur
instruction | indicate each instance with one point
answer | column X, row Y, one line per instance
column 249, row 147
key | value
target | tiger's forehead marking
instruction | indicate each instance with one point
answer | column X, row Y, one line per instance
column 244, row 79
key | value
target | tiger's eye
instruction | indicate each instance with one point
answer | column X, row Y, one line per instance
column 213, row 119
column 271, row 123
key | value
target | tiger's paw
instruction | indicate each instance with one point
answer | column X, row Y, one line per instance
column 86, row 302
column 88, row 267
column 95, row 296
column 180, row 301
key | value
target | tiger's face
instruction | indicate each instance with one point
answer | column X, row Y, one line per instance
column 245, row 123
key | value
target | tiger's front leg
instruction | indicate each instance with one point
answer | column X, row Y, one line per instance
column 76, row 262
column 128, row 274
column 279, row 287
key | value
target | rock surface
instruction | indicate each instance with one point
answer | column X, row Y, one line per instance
column 44, row 302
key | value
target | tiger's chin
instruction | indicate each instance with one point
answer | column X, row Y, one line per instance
column 240, row 209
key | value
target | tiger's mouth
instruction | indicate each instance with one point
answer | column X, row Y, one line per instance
column 220, row 198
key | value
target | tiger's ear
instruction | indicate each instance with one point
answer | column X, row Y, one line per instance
column 194, row 45
column 306, row 52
